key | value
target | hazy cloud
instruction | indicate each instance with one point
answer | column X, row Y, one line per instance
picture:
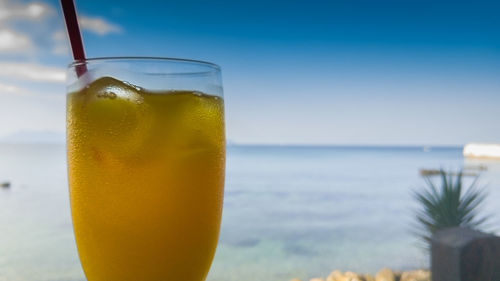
column 98, row 25
column 60, row 49
column 14, row 42
column 59, row 35
column 61, row 44
column 8, row 88
column 32, row 72
column 13, row 90
column 18, row 11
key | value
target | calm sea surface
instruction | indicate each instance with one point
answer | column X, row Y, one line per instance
column 288, row 211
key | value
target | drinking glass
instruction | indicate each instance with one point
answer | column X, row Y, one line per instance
column 146, row 158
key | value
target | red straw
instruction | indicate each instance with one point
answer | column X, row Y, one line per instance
column 75, row 37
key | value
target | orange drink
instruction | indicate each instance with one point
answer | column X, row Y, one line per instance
column 146, row 177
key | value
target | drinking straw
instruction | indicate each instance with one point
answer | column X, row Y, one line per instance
column 75, row 37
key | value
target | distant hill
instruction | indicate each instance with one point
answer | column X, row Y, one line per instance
column 34, row 137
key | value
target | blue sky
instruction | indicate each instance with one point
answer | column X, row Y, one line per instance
column 295, row 72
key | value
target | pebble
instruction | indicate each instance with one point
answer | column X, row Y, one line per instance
column 368, row 277
column 416, row 275
column 334, row 276
column 385, row 274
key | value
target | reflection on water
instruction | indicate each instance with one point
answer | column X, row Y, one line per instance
column 288, row 211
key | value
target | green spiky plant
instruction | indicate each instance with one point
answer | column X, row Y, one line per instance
column 449, row 205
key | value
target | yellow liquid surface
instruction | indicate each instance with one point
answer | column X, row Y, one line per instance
column 146, row 176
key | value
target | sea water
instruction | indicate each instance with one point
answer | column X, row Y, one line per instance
column 288, row 211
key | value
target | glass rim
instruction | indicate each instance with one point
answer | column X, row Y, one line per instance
column 143, row 58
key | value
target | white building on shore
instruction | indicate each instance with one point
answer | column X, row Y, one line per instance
column 482, row 150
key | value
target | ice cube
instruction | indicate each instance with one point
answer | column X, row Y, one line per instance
column 108, row 87
column 117, row 117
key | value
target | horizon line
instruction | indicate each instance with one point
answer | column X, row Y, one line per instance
column 375, row 145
